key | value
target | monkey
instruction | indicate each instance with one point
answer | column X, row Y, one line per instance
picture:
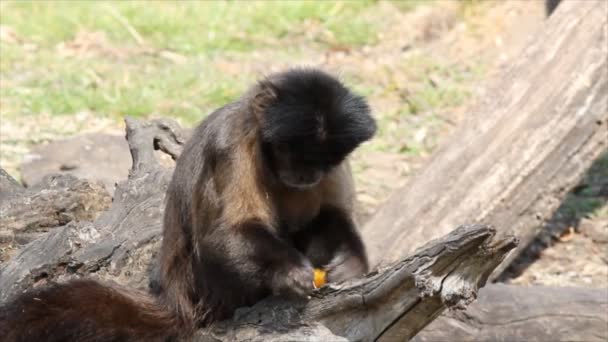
column 261, row 194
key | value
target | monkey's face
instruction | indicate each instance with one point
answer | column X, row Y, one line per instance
column 309, row 122
column 294, row 171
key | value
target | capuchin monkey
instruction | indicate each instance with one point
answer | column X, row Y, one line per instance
column 261, row 194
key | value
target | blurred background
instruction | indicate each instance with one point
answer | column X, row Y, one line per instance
column 76, row 68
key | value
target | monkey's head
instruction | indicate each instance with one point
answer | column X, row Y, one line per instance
column 309, row 123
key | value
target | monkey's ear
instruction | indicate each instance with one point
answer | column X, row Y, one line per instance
column 264, row 96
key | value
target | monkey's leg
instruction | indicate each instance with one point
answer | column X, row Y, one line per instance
column 331, row 242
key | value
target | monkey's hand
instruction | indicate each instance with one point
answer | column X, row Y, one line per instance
column 345, row 266
column 286, row 271
column 293, row 279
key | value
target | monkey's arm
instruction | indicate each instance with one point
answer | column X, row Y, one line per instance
column 331, row 242
column 257, row 252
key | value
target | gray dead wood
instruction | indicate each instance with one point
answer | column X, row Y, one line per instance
column 120, row 244
column 517, row 313
column 531, row 136
column 9, row 187
column 390, row 304
column 25, row 213
column 117, row 245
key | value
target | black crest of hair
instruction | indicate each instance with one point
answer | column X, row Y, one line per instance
column 316, row 115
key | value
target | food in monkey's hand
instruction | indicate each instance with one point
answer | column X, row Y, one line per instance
column 319, row 278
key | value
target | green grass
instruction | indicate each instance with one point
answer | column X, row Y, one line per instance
column 106, row 57
column 408, row 5
column 178, row 59
column 139, row 88
column 125, row 74
column 189, row 27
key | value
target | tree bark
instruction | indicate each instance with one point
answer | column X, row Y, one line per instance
column 530, row 138
column 57, row 200
column 515, row 313
column 8, row 185
column 390, row 304
column 121, row 242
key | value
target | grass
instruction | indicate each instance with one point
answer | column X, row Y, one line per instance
column 123, row 71
column 63, row 60
column 189, row 27
column 138, row 88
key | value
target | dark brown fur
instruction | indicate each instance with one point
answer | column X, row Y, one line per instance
column 85, row 310
column 234, row 230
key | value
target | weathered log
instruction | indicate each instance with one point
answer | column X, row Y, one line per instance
column 121, row 241
column 532, row 136
column 57, row 200
column 517, row 313
column 8, row 185
column 389, row 304
column 394, row 301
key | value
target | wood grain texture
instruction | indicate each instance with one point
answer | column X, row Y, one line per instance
column 8, row 185
column 116, row 245
column 59, row 199
column 390, row 304
column 517, row 313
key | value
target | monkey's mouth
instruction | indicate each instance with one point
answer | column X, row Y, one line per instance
column 297, row 183
column 303, row 186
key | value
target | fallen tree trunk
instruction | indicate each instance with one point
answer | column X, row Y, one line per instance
column 121, row 242
column 393, row 301
column 8, row 185
column 517, row 313
column 390, row 304
column 57, row 200
column 530, row 139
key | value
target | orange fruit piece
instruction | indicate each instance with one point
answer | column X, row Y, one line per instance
column 319, row 278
